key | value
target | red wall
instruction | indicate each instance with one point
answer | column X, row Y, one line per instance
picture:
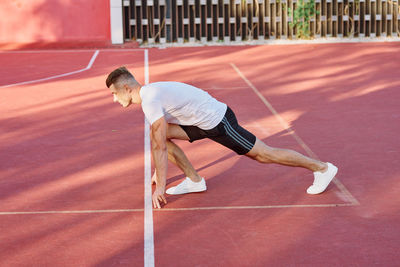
column 48, row 21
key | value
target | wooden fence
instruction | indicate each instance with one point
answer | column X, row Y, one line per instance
column 181, row 21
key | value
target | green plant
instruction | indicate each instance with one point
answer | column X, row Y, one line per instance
column 302, row 15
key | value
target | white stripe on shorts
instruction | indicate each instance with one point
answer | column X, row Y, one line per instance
column 236, row 136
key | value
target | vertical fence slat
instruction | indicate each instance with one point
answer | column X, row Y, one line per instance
column 396, row 20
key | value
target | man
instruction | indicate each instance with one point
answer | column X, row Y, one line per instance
column 180, row 111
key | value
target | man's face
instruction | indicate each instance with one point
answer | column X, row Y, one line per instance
column 121, row 95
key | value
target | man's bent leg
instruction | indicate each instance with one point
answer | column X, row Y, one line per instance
column 176, row 155
column 265, row 154
column 194, row 183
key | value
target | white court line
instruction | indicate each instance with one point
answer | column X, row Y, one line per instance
column 68, row 51
column 57, row 76
column 44, row 51
column 68, row 211
column 148, row 205
column 286, row 126
column 173, row 209
column 258, row 207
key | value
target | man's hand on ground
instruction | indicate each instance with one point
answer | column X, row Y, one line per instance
column 158, row 197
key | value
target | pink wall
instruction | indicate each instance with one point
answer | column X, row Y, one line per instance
column 45, row 21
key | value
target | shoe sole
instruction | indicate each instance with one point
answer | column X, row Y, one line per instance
column 194, row 191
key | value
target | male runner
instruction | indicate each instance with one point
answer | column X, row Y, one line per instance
column 181, row 111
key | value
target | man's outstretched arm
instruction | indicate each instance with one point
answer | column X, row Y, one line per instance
column 160, row 157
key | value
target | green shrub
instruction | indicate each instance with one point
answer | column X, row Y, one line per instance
column 302, row 14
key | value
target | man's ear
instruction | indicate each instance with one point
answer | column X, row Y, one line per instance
column 127, row 88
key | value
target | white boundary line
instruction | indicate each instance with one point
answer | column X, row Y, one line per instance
column 148, row 206
column 259, row 207
column 173, row 209
column 43, row 51
column 69, row 51
column 57, row 76
column 286, row 126
column 68, row 211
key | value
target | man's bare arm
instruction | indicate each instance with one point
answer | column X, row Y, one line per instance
column 160, row 157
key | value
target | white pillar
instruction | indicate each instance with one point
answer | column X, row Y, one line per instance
column 116, row 23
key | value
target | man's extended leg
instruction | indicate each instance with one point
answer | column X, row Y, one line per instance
column 323, row 172
column 266, row 154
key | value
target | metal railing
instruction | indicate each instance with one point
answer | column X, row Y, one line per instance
column 181, row 21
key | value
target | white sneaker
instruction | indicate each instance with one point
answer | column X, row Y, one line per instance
column 322, row 180
column 187, row 186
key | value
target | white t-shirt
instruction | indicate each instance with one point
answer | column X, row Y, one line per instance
column 181, row 104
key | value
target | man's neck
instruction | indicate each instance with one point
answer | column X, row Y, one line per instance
column 136, row 94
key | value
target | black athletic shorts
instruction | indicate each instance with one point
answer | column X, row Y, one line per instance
column 228, row 133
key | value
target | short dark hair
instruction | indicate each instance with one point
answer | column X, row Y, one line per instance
column 121, row 72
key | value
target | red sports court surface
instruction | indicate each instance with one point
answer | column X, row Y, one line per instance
column 72, row 170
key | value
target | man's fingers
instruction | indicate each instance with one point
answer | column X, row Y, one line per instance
column 157, row 199
column 156, row 204
column 164, row 199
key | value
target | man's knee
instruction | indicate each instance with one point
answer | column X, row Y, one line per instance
column 265, row 157
column 261, row 152
column 264, row 154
